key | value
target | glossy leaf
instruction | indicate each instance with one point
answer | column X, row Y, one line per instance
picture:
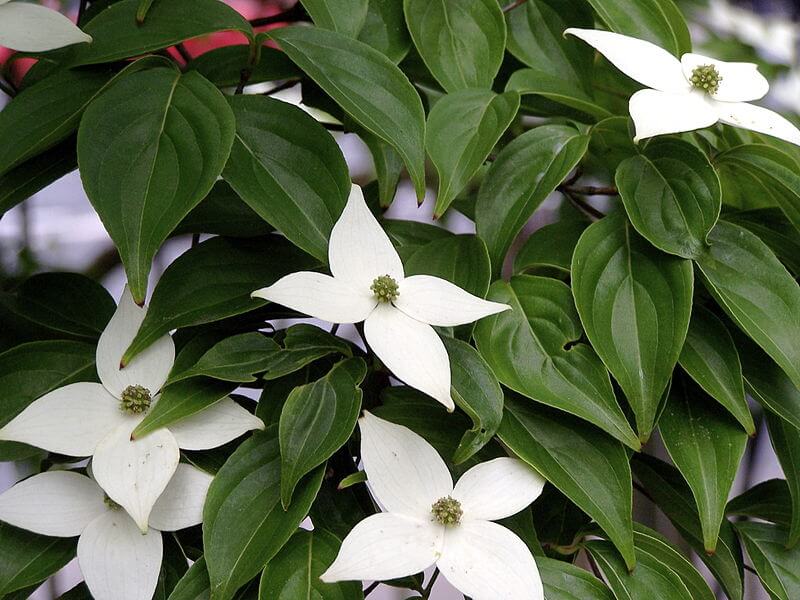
column 777, row 568
column 565, row 581
column 672, row 196
column 710, row 357
column 525, row 347
column 524, row 173
column 635, row 304
column 385, row 29
column 317, row 419
column 532, row 81
column 707, row 446
column 244, row 525
column 303, row 344
column 591, row 470
column 367, row 85
column 288, row 169
column 223, row 212
column 463, row 128
column 388, row 166
column 769, row 500
column 27, row 558
column 775, row 230
column 222, row 66
column 236, row 358
column 551, row 246
column 785, row 440
column 345, row 16
column 142, row 186
column 194, row 585
column 462, row 43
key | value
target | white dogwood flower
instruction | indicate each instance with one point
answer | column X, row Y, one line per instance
column 690, row 93
column 428, row 521
column 369, row 285
column 117, row 561
column 33, row 28
column 97, row 419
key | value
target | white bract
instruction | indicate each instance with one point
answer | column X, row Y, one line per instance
column 97, row 419
column 117, row 561
column 369, row 285
column 428, row 521
column 32, row 28
column 689, row 93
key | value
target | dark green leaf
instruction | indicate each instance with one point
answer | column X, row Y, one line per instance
column 777, row 567
column 611, row 142
column 194, row 585
column 709, row 356
column 367, row 85
column 223, row 66
column 345, row 16
column 318, row 419
column 525, row 172
column 786, row 443
column 551, row 246
column 463, row 128
column 223, row 212
column 294, row 572
column 706, row 445
column 244, row 525
column 635, row 303
column 143, row 185
column 769, row 500
column 534, row 349
column 385, row 29
column 27, row 558
column 532, row 81
column 236, row 358
column 564, row 581
column 672, row 196
column 303, row 344
column 214, row 280
column 388, row 166
column 590, row 468
column 288, row 169
column 775, row 230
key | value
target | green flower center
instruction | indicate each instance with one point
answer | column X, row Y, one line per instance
column 135, row 400
column 385, row 288
column 110, row 503
column 706, row 78
column 447, row 511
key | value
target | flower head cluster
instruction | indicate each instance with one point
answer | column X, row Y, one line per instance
column 690, row 93
column 29, row 27
column 369, row 284
column 429, row 521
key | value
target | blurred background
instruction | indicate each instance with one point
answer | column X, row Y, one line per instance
column 57, row 230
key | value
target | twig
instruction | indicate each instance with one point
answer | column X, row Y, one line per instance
column 583, row 206
column 296, row 13
column 590, row 190
column 513, row 5
column 289, row 83
column 643, row 491
column 185, row 54
column 81, row 11
column 371, row 588
column 195, row 239
column 7, row 89
column 426, row 591
column 593, row 565
column 751, row 569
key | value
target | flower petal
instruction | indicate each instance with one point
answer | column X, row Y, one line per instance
column 438, row 302
column 359, row 249
column 658, row 113
column 32, row 28
column 149, row 368
column 218, row 424
column 497, row 489
column 740, row 81
column 412, row 350
column 134, row 473
column 117, row 561
column 486, row 561
column 57, row 503
column 404, row 472
column 756, row 118
column 386, row 546
column 181, row 504
column 69, row 420
column 320, row 296
column 642, row 61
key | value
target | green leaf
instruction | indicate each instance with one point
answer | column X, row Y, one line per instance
column 657, row 21
column 587, row 466
column 303, row 344
column 463, row 128
column 236, row 358
column 244, row 525
column 777, row 568
column 709, row 356
column 288, row 169
column 666, row 487
column 318, row 419
column 775, row 230
column 27, row 558
column 551, row 246
column 651, row 578
column 611, row 142
column 677, row 177
column 294, row 572
column 194, row 585
column 769, row 500
column 525, row 172
column 214, row 280
column 477, row 392
column 180, row 400
column 706, row 445
column 765, row 172
column 143, row 185
column 786, row 443
column 565, row 581
column 116, row 34
column 526, row 347
column 533, row 81
column 223, row 66
column 367, row 85
column 635, row 304
column 461, row 43
column 223, row 212
column 388, row 166
column 756, row 291
column 385, row 29
column 345, row 16
column 460, row 259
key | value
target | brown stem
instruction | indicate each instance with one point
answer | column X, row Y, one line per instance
column 513, row 5
column 583, row 206
column 590, row 190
